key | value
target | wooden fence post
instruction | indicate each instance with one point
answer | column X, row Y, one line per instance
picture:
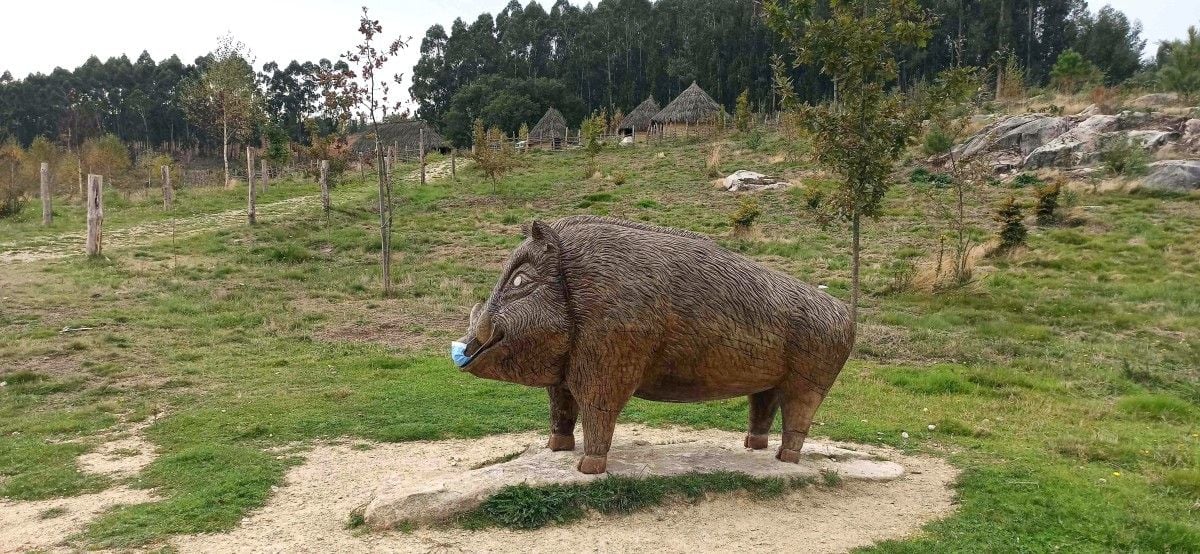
column 453, row 170
column 421, row 153
column 95, row 214
column 250, row 208
column 266, row 175
column 47, row 215
column 168, row 192
column 325, row 185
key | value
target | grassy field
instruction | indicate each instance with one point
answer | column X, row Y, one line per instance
column 1064, row 379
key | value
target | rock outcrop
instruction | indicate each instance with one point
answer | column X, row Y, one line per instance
column 750, row 181
column 1173, row 176
column 1068, row 148
column 1155, row 100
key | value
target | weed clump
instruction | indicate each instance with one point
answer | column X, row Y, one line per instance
column 745, row 216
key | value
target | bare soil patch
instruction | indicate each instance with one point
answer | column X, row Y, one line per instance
column 310, row 511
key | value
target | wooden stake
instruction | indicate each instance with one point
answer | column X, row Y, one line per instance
column 168, row 192
column 421, row 153
column 95, row 216
column 250, row 208
column 47, row 215
column 325, row 186
column 453, row 170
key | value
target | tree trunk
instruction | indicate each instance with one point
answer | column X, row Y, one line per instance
column 95, row 214
column 385, row 220
column 225, row 147
column 251, row 216
column 266, row 175
column 47, row 215
column 854, row 265
column 325, row 186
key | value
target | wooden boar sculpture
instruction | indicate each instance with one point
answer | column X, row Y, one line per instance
column 598, row 310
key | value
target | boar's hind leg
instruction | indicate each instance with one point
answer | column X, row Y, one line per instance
column 763, row 406
column 799, row 401
column 563, row 410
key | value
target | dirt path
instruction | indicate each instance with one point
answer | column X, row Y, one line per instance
column 310, row 510
column 70, row 244
column 44, row 525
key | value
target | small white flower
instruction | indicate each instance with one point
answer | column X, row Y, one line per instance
column 904, row 435
column 932, row 426
column 3, row 383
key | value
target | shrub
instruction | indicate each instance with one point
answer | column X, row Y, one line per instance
column 1026, row 180
column 1012, row 224
column 743, row 218
column 754, row 139
column 1047, row 203
column 1120, row 155
column 742, row 118
column 1072, row 71
column 937, row 141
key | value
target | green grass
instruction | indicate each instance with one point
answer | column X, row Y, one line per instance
column 526, row 507
column 1054, row 369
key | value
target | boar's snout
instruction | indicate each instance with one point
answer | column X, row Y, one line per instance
column 481, row 333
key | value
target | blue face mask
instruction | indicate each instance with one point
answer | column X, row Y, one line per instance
column 458, row 353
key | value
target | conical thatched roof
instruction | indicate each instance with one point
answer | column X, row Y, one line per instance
column 639, row 118
column 405, row 134
column 691, row 106
column 552, row 124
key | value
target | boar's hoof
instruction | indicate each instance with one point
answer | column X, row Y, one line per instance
column 592, row 465
column 756, row 442
column 788, row 455
column 561, row 442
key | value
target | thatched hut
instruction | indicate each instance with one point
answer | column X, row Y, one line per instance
column 690, row 112
column 550, row 131
column 405, row 136
column 638, row 120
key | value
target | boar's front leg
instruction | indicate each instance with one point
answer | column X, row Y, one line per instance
column 601, row 390
column 563, row 410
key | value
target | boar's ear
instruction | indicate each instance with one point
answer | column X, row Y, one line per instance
column 544, row 234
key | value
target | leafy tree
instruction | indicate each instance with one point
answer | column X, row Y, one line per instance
column 363, row 92
column 856, row 45
column 106, row 156
column 492, row 152
column 1111, row 42
column 224, row 97
column 278, row 152
column 742, row 118
column 590, row 129
column 1181, row 65
column 12, row 192
column 1072, row 71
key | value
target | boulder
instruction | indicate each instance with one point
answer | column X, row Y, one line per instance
column 1092, row 109
column 1067, row 149
column 401, row 500
column 1155, row 100
column 1173, row 176
column 743, row 181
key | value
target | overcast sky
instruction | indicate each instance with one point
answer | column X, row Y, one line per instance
column 43, row 34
